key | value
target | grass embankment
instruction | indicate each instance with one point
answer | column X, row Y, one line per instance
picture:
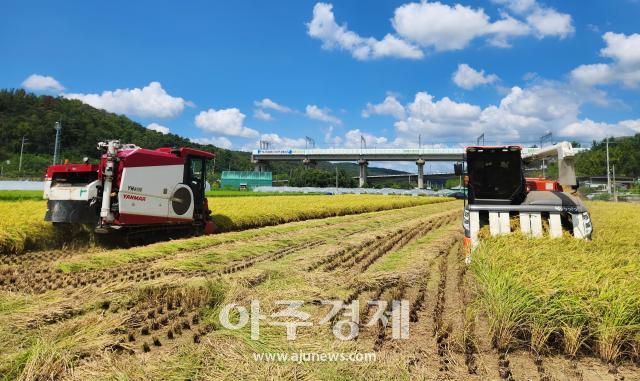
column 20, row 195
column 566, row 294
column 22, row 226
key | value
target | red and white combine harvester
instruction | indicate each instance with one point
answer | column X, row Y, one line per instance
column 132, row 190
column 497, row 191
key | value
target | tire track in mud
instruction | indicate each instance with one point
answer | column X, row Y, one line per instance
column 440, row 331
column 469, row 339
column 422, row 349
column 411, row 286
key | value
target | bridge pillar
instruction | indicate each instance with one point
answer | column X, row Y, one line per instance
column 308, row 163
column 259, row 166
column 420, row 164
column 362, row 181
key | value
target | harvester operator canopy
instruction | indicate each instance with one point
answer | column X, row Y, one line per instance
column 495, row 175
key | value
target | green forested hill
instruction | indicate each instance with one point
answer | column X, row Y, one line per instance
column 624, row 153
column 32, row 116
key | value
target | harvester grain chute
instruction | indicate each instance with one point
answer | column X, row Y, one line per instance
column 498, row 191
column 132, row 189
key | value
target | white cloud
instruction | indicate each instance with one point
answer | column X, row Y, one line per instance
column 390, row 106
column 624, row 51
column 595, row 74
column 452, row 27
column 228, row 122
column 220, row 141
column 549, row 22
column 150, row 101
column 278, row 141
column 445, row 109
column 504, row 29
column 525, row 114
column 439, row 25
column 353, row 139
column 467, row 77
column 440, row 118
column 159, row 128
column 588, row 129
column 323, row 26
column 37, row 82
column 314, row 112
column 330, row 139
column 545, row 21
column 267, row 103
column 517, row 6
column 522, row 115
column 262, row 115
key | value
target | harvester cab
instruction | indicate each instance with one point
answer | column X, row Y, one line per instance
column 132, row 188
column 498, row 192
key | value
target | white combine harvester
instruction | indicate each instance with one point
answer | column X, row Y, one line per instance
column 498, row 191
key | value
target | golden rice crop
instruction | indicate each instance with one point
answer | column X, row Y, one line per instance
column 247, row 212
column 22, row 223
column 585, row 293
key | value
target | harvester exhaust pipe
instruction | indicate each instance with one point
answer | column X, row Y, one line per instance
column 112, row 149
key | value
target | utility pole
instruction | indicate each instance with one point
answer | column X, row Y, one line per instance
column 419, row 142
column 56, row 149
column 24, row 139
column 481, row 137
column 336, row 179
column 608, row 170
column 615, row 190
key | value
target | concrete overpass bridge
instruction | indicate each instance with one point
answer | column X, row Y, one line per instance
column 364, row 155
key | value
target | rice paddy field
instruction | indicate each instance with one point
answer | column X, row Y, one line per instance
column 525, row 309
column 22, row 225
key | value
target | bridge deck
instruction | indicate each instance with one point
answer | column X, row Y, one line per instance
column 369, row 154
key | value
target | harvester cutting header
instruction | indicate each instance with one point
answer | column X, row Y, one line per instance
column 498, row 191
column 132, row 188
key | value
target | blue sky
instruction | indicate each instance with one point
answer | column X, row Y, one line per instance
column 233, row 73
